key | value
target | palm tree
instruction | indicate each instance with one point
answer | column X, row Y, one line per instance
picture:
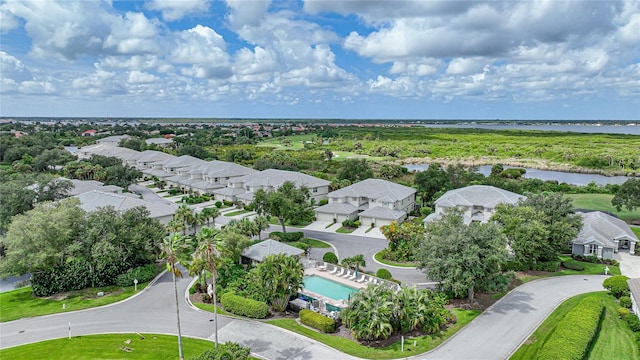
column 197, row 220
column 370, row 313
column 207, row 252
column 184, row 214
column 282, row 276
column 355, row 261
column 262, row 223
column 211, row 213
column 173, row 249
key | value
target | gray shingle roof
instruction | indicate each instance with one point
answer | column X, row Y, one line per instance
column 92, row 200
column 182, row 162
column 634, row 288
column 337, row 208
column 375, row 189
column 82, row 186
column 158, row 141
column 380, row 212
column 275, row 178
column 259, row 251
column 603, row 229
column 478, row 195
column 154, row 156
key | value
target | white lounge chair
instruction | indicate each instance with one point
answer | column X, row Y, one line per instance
column 341, row 272
column 322, row 267
column 353, row 276
column 335, row 270
column 362, row 279
column 347, row 274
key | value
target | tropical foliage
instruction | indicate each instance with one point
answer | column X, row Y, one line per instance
column 377, row 312
column 288, row 204
column 403, row 240
column 628, row 195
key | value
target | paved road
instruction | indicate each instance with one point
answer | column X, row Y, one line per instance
column 493, row 335
column 500, row 330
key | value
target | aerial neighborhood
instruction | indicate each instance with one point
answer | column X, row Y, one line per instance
column 296, row 230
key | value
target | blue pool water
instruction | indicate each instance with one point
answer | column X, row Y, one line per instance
column 328, row 288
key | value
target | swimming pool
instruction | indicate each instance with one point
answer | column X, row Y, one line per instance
column 328, row 288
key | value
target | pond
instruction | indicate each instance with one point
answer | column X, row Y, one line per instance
column 559, row 176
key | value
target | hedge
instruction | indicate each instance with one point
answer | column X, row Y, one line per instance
column 383, row 273
column 317, row 321
column 244, row 307
column 573, row 265
column 574, row 334
column 142, row 273
column 286, row 237
column 625, row 301
column 617, row 285
column 330, row 258
column 549, row 266
column 228, row 350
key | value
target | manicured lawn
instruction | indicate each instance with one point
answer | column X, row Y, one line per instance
column 234, row 213
column 209, row 308
column 315, row 243
column 21, row 303
column 379, row 258
column 636, row 230
column 615, row 340
column 423, row 343
column 293, row 142
column 109, row 346
column 601, row 202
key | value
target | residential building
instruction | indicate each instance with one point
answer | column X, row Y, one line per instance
column 113, row 140
column 374, row 202
column 257, row 252
column 161, row 142
column 243, row 188
column 603, row 235
column 477, row 202
column 94, row 199
column 634, row 289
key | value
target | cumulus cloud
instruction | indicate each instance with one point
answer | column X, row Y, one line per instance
column 205, row 50
column 13, row 69
column 141, row 77
column 173, row 10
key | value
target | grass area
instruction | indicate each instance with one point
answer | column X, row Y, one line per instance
column 274, row 221
column 423, row 343
column 234, row 213
column 589, row 269
column 615, row 340
column 21, row 303
column 345, row 230
column 315, row 243
column 636, row 230
column 379, row 258
column 601, row 202
column 109, row 346
column 209, row 308
column 293, row 142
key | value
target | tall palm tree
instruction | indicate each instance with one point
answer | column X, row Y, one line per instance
column 184, row 214
column 262, row 223
column 211, row 213
column 173, row 249
column 207, row 251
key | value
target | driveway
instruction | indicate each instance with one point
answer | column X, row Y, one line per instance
column 629, row 264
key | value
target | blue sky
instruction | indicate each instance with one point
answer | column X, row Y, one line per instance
column 425, row 59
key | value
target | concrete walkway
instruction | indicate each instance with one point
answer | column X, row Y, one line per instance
column 629, row 264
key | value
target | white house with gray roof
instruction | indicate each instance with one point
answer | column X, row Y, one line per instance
column 603, row 235
column 94, row 199
column 257, row 252
column 372, row 201
column 242, row 188
column 478, row 202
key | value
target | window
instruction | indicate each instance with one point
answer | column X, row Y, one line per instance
column 315, row 190
column 593, row 249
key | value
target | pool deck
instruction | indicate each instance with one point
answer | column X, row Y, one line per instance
column 338, row 279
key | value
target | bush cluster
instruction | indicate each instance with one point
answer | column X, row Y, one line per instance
column 617, row 285
column 596, row 260
column 244, row 307
column 142, row 273
column 383, row 273
column 218, row 204
column 348, row 223
column 226, row 351
column 286, row 237
column 549, row 266
column 330, row 258
column 625, row 301
column 227, row 202
column 633, row 322
column 575, row 332
column 573, row 265
column 317, row 321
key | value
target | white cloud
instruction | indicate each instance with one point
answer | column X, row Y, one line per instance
column 247, row 13
column 205, row 50
column 173, row 10
column 141, row 77
column 12, row 68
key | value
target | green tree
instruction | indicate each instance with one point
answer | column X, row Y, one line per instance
column 287, row 203
column 210, row 214
column 461, row 257
column 185, row 216
column 280, row 276
column 403, row 239
column 369, row 314
column 39, row 239
column 232, row 243
column 539, row 228
column 174, row 249
column 628, row 195
column 354, row 170
column 262, row 223
column 48, row 159
column 355, row 261
column 208, row 255
column 430, row 182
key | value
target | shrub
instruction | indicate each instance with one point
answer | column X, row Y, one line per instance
column 575, row 332
column 425, row 211
column 142, row 273
column 323, row 202
column 218, row 204
column 633, row 322
column 286, row 237
column 248, row 207
column 383, row 273
column 192, row 291
column 573, row 265
column 549, row 266
column 625, row 301
column 317, row 321
column 244, row 307
column 227, row 202
column 301, row 245
column 207, row 299
column 349, row 223
column 330, row 258
column 226, row 351
column 623, row 312
column 617, row 285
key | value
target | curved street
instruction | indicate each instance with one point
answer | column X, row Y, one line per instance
column 493, row 335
